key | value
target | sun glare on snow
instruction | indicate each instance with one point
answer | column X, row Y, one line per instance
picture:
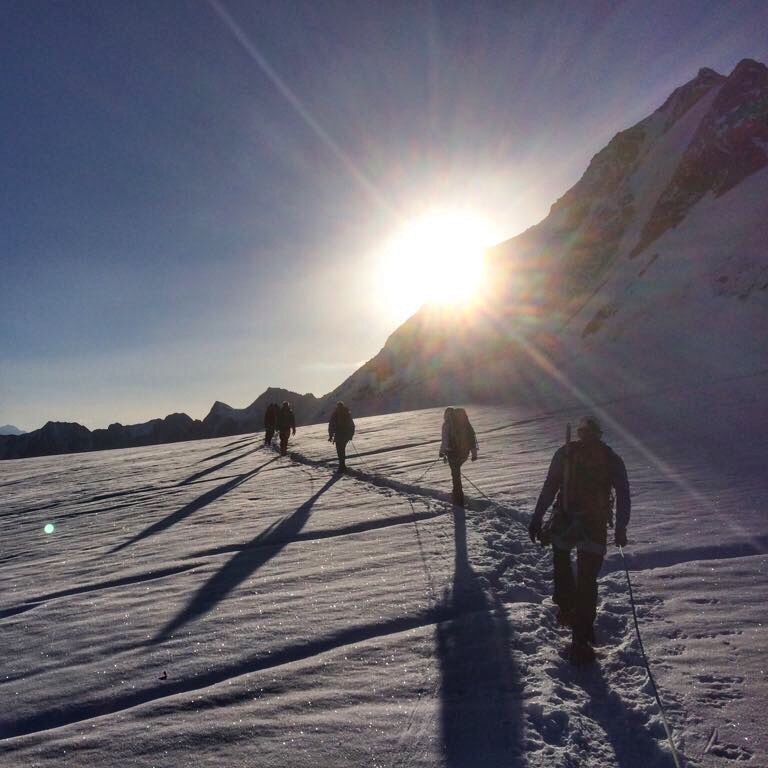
column 436, row 259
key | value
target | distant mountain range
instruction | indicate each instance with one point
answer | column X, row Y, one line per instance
column 651, row 269
column 9, row 429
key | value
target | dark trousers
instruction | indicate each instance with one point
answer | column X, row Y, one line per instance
column 341, row 452
column 284, row 435
column 456, row 491
column 269, row 433
column 577, row 595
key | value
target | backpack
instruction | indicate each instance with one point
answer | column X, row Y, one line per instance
column 345, row 425
column 285, row 418
column 462, row 434
column 590, row 490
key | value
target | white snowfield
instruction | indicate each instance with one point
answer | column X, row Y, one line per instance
column 213, row 604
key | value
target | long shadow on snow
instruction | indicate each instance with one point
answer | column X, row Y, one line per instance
column 204, row 472
column 70, row 711
column 391, row 448
column 664, row 558
column 481, row 692
column 238, row 445
column 192, row 507
column 627, row 729
column 320, row 533
column 247, row 561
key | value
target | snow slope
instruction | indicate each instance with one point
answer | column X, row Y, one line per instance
column 211, row 603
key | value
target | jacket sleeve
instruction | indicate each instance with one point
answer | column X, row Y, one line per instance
column 293, row 420
column 620, row 483
column 445, row 445
column 332, row 425
column 474, row 437
column 551, row 485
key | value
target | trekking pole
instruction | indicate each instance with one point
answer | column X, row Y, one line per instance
column 667, row 727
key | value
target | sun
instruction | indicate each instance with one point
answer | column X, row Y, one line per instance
column 438, row 258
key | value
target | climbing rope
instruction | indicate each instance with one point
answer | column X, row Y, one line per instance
column 357, row 454
column 424, row 473
column 480, row 491
column 667, row 727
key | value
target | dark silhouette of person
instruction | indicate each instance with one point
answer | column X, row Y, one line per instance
column 581, row 517
column 341, row 429
column 458, row 442
column 286, row 424
column 270, row 422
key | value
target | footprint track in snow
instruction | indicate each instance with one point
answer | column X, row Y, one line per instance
column 718, row 690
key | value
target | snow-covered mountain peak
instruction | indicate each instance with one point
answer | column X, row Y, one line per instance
column 635, row 267
column 686, row 96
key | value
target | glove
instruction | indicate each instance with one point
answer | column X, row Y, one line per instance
column 620, row 537
column 534, row 528
column 330, row 439
column 474, row 455
column 294, row 430
column 441, row 454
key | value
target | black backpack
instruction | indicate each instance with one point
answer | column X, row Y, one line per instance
column 590, row 491
column 462, row 434
column 345, row 425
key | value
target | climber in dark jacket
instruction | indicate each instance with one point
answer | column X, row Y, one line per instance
column 286, row 423
column 581, row 519
column 341, row 429
column 458, row 441
column 270, row 422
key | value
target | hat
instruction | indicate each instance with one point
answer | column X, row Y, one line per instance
column 590, row 425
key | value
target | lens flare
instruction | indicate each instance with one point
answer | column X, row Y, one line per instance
column 49, row 528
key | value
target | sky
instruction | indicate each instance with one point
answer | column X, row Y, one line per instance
column 197, row 194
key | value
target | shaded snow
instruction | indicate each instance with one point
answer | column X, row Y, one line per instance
column 211, row 603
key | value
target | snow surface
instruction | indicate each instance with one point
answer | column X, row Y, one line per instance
column 211, row 603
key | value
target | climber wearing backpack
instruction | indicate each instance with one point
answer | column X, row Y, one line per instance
column 270, row 422
column 458, row 442
column 581, row 481
column 286, row 423
column 341, row 429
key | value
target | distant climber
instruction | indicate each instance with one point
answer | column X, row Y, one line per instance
column 341, row 429
column 286, row 424
column 459, row 441
column 581, row 478
column 270, row 422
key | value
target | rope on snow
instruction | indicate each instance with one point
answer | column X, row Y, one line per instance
column 664, row 720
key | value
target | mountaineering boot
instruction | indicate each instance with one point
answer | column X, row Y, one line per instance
column 580, row 653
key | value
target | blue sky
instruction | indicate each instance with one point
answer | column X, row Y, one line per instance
column 195, row 193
